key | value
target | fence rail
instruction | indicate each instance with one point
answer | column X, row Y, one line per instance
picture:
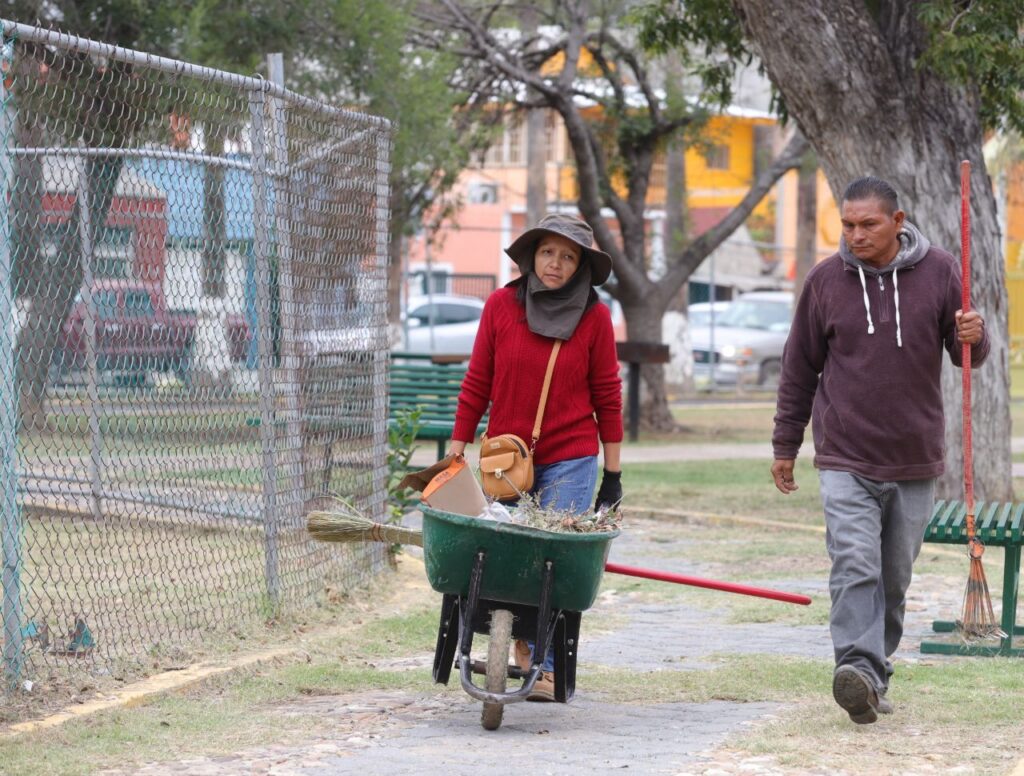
column 158, row 217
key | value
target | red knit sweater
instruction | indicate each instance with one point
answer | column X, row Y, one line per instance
column 507, row 370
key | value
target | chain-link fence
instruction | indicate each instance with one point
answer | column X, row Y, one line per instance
column 193, row 349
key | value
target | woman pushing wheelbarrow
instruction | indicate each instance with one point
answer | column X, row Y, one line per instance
column 544, row 360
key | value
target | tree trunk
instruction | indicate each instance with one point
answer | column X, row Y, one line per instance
column 852, row 83
column 396, row 276
column 51, row 288
column 214, row 218
column 536, row 148
column 806, row 220
column 643, row 324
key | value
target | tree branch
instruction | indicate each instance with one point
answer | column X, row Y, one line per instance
column 702, row 247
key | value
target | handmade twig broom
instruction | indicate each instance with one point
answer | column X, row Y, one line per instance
column 346, row 524
column 977, row 620
column 349, row 525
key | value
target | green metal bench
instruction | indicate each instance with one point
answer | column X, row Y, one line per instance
column 431, row 385
column 997, row 525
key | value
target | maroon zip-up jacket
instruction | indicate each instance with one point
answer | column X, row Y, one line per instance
column 876, row 407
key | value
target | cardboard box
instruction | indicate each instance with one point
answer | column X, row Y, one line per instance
column 449, row 485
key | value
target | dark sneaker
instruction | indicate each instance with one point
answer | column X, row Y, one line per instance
column 884, row 704
column 856, row 694
column 543, row 688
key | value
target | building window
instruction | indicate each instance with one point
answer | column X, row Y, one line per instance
column 716, row 157
column 510, row 149
column 552, row 136
column 114, row 253
column 481, row 193
column 515, row 133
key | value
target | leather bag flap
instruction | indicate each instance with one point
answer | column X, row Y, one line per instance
column 491, row 463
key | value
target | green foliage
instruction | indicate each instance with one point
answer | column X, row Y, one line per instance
column 980, row 44
column 401, row 446
column 358, row 52
column 975, row 43
column 350, row 52
column 697, row 27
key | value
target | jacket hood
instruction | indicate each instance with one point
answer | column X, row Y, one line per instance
column 913, row 247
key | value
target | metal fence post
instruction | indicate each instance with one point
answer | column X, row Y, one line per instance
column 265, row 344
column 11, row 511
column 382, row 222
column 286, row 284
column 92, row 373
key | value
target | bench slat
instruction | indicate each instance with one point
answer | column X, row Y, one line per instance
column 996, row 523
column 1017, row 523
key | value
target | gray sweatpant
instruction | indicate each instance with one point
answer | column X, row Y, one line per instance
column 874, row 532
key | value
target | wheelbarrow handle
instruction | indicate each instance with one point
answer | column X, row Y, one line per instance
column 712, row 584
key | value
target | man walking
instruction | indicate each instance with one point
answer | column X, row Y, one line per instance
column 863, row 360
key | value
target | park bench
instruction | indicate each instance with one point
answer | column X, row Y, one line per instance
column 997, row 525
column 430, row 384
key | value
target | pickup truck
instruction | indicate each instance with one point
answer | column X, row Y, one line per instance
column 135, row 331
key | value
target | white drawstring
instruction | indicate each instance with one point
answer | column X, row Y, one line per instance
column 867, row 303
column 896, row 290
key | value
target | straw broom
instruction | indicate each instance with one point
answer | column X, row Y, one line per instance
column 977, row 620
column 347, row 524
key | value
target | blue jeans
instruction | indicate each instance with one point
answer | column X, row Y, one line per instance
column 566, row 486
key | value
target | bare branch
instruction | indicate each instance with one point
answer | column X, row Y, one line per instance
column 702, row 247
column 639, row 72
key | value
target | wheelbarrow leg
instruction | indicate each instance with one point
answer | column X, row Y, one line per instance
column 447, row 639
column 567, row 635
column 543, row 640
column 468, row 614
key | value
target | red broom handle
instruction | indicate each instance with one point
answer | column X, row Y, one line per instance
column 711, row 584
column 965, row 279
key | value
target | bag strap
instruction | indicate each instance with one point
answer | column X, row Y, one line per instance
column 544, row 395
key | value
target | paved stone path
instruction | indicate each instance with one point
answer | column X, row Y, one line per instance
column 436, row 729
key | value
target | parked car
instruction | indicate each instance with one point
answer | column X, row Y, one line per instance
column 325, row 332
column 745, row 345
column 698, row 315
column 135, row 330
column 453, row 319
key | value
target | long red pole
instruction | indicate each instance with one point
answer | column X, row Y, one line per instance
column 965, row 304
column 711, row 584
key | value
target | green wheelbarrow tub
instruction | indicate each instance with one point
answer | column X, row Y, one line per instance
column 514, row 564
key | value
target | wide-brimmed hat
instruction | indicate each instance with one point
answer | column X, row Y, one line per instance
column 570, row 227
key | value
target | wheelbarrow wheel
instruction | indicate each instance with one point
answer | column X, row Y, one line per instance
column 497, row 666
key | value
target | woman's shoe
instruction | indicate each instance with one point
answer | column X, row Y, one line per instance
column 543, row 688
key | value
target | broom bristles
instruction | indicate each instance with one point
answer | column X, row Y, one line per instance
column 977, row 619
column 351, row 527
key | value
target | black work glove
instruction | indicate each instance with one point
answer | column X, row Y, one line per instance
column 610, row 493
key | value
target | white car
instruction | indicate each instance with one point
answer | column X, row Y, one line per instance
column 698, row 315
column 441, row 324
column 745, row 345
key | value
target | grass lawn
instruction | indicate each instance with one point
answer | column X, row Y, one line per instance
column 727, row 423
column 723, row 487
